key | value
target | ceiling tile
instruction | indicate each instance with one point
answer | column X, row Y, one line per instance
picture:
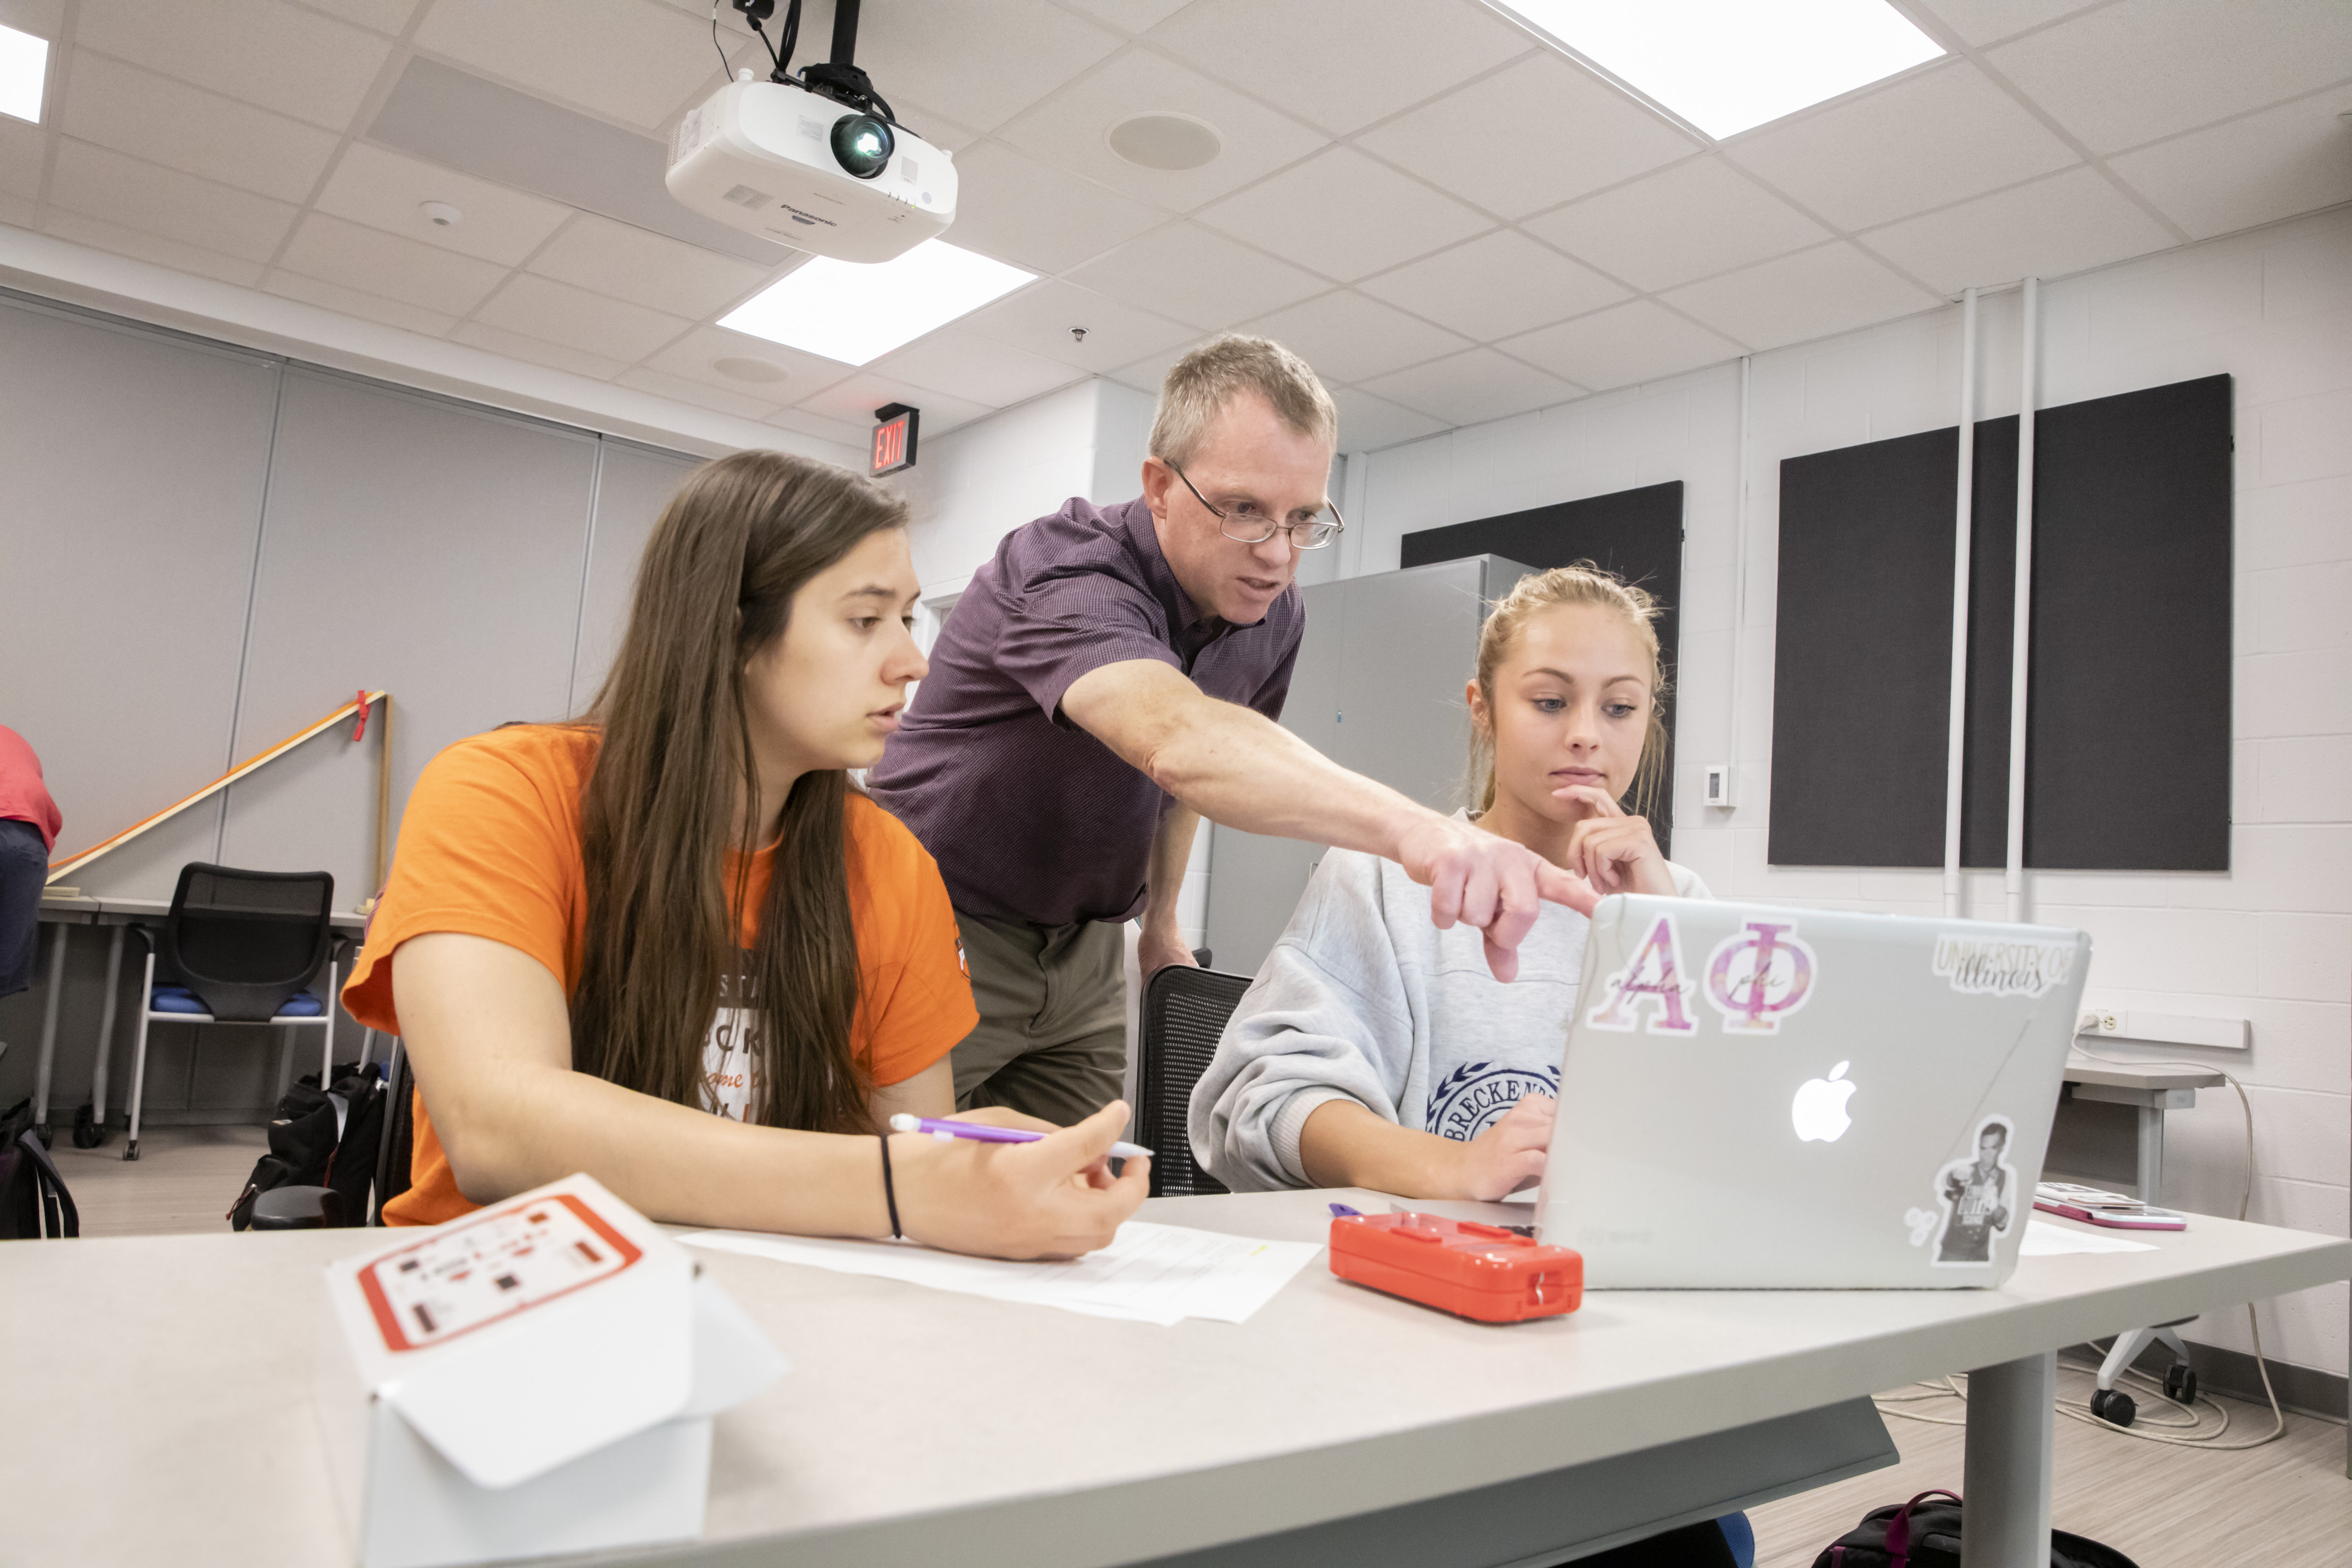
column 1926, row 141
column 352, row 302
column 374, row 262
column 1151, row 372
column 23, row 213
column 1016, row 209
column 98, row 184
column 696, row 394
column 1368, row 423
column 932, row 126
column 1038, row 319
column 1495, row 285
column 386, row 190
column 1986, row 21
column 1348, row 338
column 42, row 18
column 543, row 308
column 536, row 350
column 2049, row 228
column 23, row 149
column 635, row 60
column 1198, row 276
column 642, row 269
column 100, row 235
column 383, row 16
column 195, row 132
column 853, row 400
column 978, row 65
column 695, row 357
column 2275, row 165
column 2131, row 72
column 1072, row 130
column 1472, row 387
column 1132, row 16
column 1340, row 64
column 1640, row 340
column 1345, row 215
column 1570, row 132
column 802, row 423
column 1829, row 288
column 258, row 51
column 1690, row 219
column 963, row 364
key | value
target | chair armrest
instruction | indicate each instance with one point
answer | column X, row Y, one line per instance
column 298, row 1208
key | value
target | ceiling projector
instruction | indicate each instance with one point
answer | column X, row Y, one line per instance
column 817, row 162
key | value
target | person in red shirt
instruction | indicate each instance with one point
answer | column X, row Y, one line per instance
column 669, row 946
column 28, row 832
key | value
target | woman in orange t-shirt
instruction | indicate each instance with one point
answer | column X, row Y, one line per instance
column 671, row 947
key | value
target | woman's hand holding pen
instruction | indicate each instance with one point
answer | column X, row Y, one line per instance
column 1051, row 1199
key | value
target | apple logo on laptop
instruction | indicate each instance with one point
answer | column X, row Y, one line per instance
column 1819, row 1110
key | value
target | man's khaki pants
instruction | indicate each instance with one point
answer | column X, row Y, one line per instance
column 1051, row 1039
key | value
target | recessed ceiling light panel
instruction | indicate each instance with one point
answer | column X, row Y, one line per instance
column 855, row 313
column 1165, row 140
column 1725, row 66
column 23, row 71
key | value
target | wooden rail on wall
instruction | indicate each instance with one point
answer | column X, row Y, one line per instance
column 358, row 706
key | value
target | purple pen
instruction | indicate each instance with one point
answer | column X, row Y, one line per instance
column 979, row 1134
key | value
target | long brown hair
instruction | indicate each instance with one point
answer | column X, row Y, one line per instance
column 714, row 588
column 1579, row 583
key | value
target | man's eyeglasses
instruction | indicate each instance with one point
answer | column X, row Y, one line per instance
column 1245, row 523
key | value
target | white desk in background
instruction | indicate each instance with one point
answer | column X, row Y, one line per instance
column 122, row 914
column 1336, row 1426
column 2151, row 1089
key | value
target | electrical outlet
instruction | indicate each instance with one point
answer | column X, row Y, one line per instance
column 2110, row 1023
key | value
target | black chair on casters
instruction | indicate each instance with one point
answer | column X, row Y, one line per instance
column 1184, row 1011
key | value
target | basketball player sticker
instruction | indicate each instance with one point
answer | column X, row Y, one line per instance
column 1758, row 975
column 1651, row 980
column 1975, row 1199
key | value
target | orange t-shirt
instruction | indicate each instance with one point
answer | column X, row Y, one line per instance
column 489, row 846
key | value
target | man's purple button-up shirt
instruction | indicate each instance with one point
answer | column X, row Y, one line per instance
column 1032, row 820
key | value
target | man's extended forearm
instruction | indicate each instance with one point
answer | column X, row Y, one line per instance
column 1239, row 767
column 1172, row 852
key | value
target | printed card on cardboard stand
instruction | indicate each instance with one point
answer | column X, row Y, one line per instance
column 537, row 1377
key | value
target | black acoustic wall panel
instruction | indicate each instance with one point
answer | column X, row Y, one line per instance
column 2127, row 748
column 1637, row 534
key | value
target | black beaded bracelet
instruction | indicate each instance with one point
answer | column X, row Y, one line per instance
column 889, row 1188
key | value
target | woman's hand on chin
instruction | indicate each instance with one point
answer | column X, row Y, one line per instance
column 1509, row 1155
column 1613, row 851
column 1051, row 1199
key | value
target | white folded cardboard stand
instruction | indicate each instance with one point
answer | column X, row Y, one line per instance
column 534, row 1379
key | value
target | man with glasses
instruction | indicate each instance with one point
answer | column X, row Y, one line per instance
column 1112, row 675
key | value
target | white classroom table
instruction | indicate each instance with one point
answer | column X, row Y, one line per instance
column 122, row 914
column 162, row 1386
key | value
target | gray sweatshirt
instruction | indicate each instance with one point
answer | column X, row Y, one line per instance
column 1364, row 998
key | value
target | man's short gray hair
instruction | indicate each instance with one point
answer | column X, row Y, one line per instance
column 1205, row 381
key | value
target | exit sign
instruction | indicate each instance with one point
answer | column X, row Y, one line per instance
column 894, row 438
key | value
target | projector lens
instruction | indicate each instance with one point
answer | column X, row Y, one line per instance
column 862, row 144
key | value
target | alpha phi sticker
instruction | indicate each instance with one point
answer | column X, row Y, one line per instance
column 1992, row 966
column 1477, row 1095
column 1977, row 1196
column 1653, row 977
column 1759, row 975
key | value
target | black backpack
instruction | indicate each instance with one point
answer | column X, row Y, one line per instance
column 1924, row 1534
column 34, row 1201
column 323, row 1138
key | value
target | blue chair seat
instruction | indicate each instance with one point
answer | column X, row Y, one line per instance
column 180, row 999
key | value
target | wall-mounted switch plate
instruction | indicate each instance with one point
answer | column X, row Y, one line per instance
column 1718, row 788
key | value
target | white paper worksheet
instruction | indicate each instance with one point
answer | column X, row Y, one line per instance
column 1150, row 1273
column 2043, row 1239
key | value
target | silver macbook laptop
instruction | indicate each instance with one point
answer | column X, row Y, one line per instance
column 1763, row 1097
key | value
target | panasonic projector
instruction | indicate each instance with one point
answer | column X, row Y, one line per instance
column 789, row 165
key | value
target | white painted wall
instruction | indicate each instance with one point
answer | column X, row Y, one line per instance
column 2270, row 940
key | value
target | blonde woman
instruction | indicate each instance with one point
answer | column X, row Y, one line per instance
column 1378, row 1051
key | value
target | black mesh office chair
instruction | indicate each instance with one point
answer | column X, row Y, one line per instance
column 242, row 944
column 1184, row 1011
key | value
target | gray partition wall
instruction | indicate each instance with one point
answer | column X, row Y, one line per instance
column 207, row 548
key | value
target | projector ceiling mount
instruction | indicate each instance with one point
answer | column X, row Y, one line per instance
column 837, row 79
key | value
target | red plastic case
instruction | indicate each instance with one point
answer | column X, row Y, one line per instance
column 1477, row 1271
